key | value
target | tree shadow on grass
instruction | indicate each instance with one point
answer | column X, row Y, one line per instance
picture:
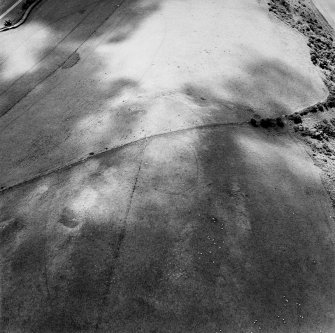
column 66, row 35
column 267, row 87
column 136, row 14
column 59, row 111
column 206, row 230
column 273, row 88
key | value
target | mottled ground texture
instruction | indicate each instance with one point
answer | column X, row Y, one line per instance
column 135, row 195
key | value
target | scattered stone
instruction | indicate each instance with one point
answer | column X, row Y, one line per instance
column 317, row 135
column 214, row 219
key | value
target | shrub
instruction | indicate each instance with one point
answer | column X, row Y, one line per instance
column 253, row 122
column 280, row 122
column 268, row 122
column 296, row 118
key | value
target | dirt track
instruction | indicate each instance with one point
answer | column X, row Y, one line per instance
column 183, row 218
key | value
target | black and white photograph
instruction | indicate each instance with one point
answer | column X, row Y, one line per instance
column 167, row 166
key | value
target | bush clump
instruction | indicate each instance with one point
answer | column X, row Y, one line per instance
column 330, row 101
column 280, row 122
column 254, row 122
column 296, row 117
column 8, row 23
column 268, row 122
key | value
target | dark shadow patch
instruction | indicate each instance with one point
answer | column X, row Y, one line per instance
column 217, row 106
column 137, row 12
column 29, row 256
column 279, row 276
column 271, row 84
column 8, row 230
column 78, row 288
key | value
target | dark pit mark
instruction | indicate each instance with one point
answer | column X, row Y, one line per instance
column 71, row 61
column 8, row 229
column 68, row 218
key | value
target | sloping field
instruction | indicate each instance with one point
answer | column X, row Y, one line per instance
column 136, row 197
column 198, row 231
column 150, row 68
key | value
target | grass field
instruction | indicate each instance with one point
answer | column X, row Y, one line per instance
column 136, row 196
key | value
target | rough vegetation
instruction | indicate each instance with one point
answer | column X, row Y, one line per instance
column 318, row 32
column 321, row 130
column 315, row 125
